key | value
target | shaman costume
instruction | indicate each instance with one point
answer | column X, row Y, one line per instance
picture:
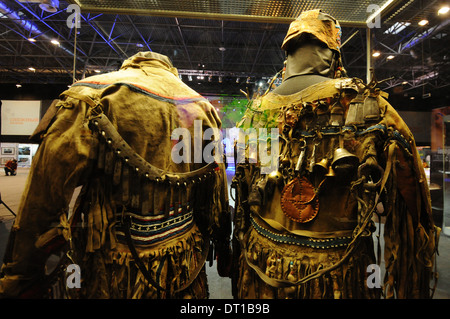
column 305, row 230
column 142, row 224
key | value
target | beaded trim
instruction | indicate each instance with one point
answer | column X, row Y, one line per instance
column 302, row 241
column 148, row 230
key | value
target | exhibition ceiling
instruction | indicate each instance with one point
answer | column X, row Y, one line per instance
column 222, row 46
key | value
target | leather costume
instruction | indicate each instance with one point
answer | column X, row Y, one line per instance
column 305, row 230
column 142, row 225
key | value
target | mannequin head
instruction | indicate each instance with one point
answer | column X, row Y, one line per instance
column 312, row 46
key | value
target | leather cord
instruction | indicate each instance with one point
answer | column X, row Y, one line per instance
column 144, row 270
column 279, row 283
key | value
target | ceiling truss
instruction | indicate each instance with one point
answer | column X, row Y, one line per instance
column 207, row 49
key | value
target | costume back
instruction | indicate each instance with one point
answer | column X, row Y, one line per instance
column 142, row 224
column 305, row 230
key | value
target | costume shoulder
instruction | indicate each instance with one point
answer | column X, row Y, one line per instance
column 263, row 111
column 151, row 77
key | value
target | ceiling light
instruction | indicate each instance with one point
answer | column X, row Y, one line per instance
column 390, row 57
column 444, row 9
column 49, row 5
column 222, row 49
column 376, row 54
column 31, row 69
column 97, row 71
column 32, row 39
column 423, row 22
column 18, row 85
column 55, row 42
column 404, row 82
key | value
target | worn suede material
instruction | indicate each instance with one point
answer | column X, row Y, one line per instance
column 145, row 100
column 410, row 234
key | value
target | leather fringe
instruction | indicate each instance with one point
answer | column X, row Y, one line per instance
column 114, row 274
column 292, row 263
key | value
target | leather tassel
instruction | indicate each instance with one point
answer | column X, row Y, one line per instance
column 135, row 189
column 101, row 155
column 167, row 202
column 184, row 197
column 175, row 201
column 94, row 146
column 125, row 184
column 109, row 161
column 193, row 189
column 199, row 195
column 177, row 205
column 117, row 174
column 145, row 194
column 156, row 192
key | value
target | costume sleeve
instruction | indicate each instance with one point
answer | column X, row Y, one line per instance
column 59, row 166
column 410, row 234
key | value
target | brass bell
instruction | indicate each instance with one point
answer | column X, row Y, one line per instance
column 342, row 156
column 285, row 162
column 322, row 166
column 275, row 178
column 330, row 172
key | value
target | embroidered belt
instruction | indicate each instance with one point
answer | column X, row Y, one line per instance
column 148, row 230
column 321, row 243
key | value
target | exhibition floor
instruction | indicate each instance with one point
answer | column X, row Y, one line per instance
column 11, row 188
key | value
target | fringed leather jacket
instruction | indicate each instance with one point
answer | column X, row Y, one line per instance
column 305, row 229
column 142, row 224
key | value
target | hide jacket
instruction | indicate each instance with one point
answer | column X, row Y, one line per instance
column 141, row 224
column 307, row 229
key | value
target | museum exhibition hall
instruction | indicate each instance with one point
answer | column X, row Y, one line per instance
column 97, row 96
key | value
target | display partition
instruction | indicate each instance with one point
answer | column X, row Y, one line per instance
column 19, row 119
column 446, row 175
